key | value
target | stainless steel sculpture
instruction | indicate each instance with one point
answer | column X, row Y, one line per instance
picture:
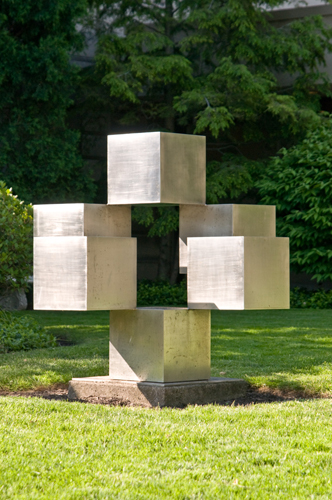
column 82, row 273
column 239, row 272
column 81, row 219
column 223, row 220
column 156, row 167
column 84, row 258
column 160, row 345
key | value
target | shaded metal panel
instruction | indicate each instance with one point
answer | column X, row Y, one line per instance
column 58, row 220
column 183, row 168
column 187, row 345
column 216, row 273
column 79, row 219
column 223, row 220
column 160, row 345
column 60, row 273
column 136, row 345
column 106, row 220
column 266, row 273
column 134, row 168
column 112, row 273
column 254, row 220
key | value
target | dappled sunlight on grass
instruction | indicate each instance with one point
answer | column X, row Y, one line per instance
column 283, row 349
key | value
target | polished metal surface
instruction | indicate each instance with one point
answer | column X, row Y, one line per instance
column 238, row 273
column 82, row 273
column 160, row 345
column 156, row 167
column 81, row 219
column 223, row 220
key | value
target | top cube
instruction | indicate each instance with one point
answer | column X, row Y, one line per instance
column 156, row 167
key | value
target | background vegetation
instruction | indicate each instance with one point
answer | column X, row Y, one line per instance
column 213, row 68
column 15, row 241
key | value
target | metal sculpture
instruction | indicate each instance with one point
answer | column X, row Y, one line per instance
column 85, row 259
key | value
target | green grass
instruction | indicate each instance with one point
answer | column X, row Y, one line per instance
column 291, row 349
column 74, row 451
column 60, row 450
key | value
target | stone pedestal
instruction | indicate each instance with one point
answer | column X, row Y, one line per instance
column 153, row 394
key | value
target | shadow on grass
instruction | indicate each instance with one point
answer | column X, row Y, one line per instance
column 290, row 350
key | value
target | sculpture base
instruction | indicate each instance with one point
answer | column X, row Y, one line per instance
column 152, row 394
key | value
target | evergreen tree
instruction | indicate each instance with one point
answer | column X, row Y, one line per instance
column 211, row 67
column 39, row 155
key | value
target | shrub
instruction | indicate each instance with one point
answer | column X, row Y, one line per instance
column 22, row 333
column 301, row 298
column 161, row 293
column 299, row 183
column 15, row 241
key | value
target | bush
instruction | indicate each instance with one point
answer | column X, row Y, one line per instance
column 22, row 334
column 299, row 183
column 15, row 241
column 161, row 293
column 301, row 298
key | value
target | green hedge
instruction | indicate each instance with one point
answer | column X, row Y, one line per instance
column 302, row 298
column 161, row 293
column 22, row 333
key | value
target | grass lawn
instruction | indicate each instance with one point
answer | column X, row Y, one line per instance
column 62, row 450
column 286, row 349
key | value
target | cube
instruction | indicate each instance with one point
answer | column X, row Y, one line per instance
column 239, row 272
column 160, row 345
column 156, row 167
column 81, row 273
column 81, row 219
column 223, row 220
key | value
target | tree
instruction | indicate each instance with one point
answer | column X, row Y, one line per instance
column 299, row 183
column 38, row 152
column 212, row 67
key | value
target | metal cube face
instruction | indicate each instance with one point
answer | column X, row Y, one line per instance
column 238, row 273
column 81, row 219
column 156, row 167
column 223, row 220
column 160, row 345
column 79, row 273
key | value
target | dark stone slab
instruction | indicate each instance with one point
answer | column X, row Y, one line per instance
column 152, row 394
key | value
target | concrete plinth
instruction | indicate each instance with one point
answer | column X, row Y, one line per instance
column 151, row 394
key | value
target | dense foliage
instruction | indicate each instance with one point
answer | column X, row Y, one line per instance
column 15, row 241
column 161, row 293
column 302, row 298
column 211, row 67
column 38, row 153
column 299, row 183
column 21, row 333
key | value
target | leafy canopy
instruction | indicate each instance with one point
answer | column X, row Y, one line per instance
column 299, row 183
column 38, row 153
column 211, row 67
